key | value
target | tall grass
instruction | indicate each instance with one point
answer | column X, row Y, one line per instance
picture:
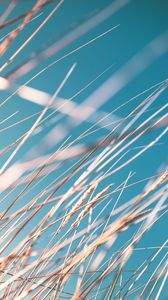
column 75, row 216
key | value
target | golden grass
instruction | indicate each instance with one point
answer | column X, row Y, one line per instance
column 65, row 211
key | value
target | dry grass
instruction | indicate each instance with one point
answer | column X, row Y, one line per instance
column 69, row 228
